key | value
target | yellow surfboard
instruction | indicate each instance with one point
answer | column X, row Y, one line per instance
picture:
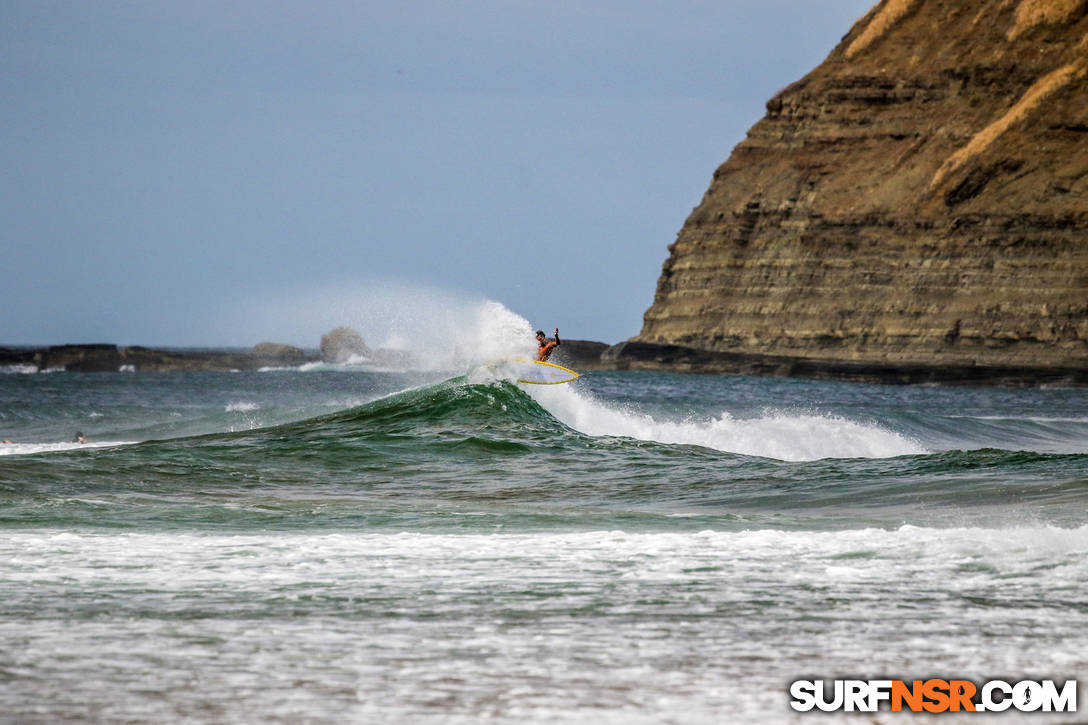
column 535, row 372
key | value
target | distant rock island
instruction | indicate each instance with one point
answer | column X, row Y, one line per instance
column 342, row 345
column 914, row 209
column 96, row 358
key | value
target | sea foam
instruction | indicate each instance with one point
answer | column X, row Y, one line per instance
column 16, row 449
column 785, row 436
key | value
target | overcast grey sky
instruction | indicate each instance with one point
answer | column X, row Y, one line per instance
column 211, row 173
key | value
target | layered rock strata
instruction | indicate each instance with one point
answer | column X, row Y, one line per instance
column 919, row 200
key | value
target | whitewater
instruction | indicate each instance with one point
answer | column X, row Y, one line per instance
column 341, row 543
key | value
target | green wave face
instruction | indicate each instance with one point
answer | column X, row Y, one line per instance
column 450, row 440
column 439, row 417
column 465, row 455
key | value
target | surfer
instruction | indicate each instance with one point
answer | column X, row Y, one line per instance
column 80, row 438
column 544, row 351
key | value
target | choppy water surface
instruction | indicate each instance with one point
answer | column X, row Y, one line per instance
column 332, row 544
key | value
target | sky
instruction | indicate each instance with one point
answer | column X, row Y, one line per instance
column 207, row 173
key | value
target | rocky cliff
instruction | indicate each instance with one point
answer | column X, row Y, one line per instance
column 919, row 199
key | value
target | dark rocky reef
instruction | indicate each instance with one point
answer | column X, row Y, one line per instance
column 634, row 355
column 338, row 347
column 96, row 358
column 581, row 355
column 917, row 204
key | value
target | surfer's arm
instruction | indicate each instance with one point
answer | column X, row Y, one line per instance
column 558, row 342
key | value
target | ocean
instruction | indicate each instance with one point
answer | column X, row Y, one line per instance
column 329, row 544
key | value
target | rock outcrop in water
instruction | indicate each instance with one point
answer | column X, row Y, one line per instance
column 276, row 353
column 919, row 202
column 343, row 344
